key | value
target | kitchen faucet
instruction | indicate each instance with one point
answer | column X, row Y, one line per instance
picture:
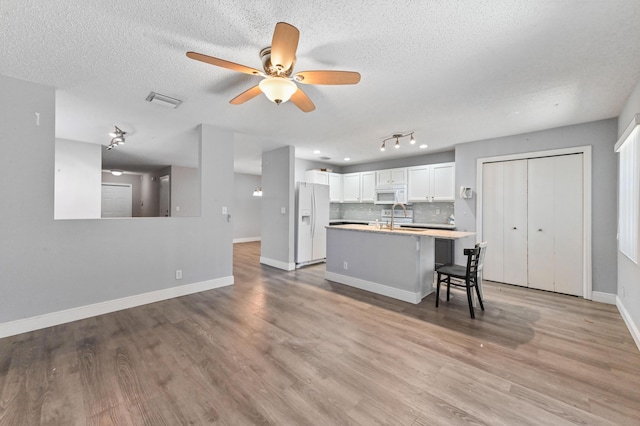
column 393, row 212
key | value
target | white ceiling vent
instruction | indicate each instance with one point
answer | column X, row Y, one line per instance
column 166, row 101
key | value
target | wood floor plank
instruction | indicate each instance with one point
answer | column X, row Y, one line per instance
column 290, row 348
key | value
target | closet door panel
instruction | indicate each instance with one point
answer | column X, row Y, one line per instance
column 493, row 220
column 541, row 223
column 568, row 203
column 515, row 222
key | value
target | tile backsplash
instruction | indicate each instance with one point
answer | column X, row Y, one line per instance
column 422, row 212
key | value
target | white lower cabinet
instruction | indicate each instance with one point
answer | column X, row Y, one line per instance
column 532, row 219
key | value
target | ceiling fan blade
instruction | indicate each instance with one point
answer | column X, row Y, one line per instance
column 302, row 101
column 222, row 63
column 284, row 45
column 327, row 77
column 245, row 96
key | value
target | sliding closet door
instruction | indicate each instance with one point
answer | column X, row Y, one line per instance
column 541, row 223
column 556, row 193
column 568, row 202
column 493, row 220
column 515, row 222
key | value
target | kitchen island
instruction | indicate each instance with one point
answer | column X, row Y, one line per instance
column 397, row 263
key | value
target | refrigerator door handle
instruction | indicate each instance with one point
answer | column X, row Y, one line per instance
column 313, row 213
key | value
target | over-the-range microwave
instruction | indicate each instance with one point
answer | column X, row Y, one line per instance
column 391, row 194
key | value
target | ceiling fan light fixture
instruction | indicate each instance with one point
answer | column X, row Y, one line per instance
column 278, row 89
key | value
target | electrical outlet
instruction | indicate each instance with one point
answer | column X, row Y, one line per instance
column 224, row 210
column 178, row 274
column 345, row 265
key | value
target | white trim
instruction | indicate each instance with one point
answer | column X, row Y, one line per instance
column 587, row 280
column 633, row 329
column 245, row 240
column 635, row 121
column 385, row 290
column 81, row 312
column 602, row 297
column 278, row 264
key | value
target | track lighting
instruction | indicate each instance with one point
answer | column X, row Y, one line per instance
column 118, row 138
column 257, row 192
column 397, row 137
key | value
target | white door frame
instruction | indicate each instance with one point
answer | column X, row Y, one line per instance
column 587, row 283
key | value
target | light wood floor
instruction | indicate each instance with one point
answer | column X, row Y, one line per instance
column 290, row 348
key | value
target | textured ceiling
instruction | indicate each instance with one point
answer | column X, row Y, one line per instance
column 452, row 71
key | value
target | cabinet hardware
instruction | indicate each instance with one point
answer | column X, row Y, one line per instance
column 515, row 227
column 539, row 229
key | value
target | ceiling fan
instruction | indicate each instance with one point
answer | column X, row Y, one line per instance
column 277, row 62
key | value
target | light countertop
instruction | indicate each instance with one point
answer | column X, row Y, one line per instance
column 410, row 225
column 436, row 233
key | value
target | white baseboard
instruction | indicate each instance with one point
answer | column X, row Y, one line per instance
column 246, row 240
column 278, row 264
column 385, row 290
column 608, row 298
column 633, row 329
column 68, row 315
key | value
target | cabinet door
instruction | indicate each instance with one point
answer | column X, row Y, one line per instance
column 541, row 223
column 419, row 187
column 335, row 187
column 351, row 188
column 367, row 187
column 316, row 176
column 443, row 182
column 398, row 176
column 515, row 222
column 493, row 220
column 383, row 177
column 568, row 216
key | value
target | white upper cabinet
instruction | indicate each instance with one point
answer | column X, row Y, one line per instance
column 433, row 182
column 316, row 176
column 443, row 182
column 367, row 187
column 391, row 176
column 351, row 188
column 419, row 188
column 335, row 187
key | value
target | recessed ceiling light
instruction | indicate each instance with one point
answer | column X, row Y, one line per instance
column 347, row 159
column 316, row 151
column 423, row 146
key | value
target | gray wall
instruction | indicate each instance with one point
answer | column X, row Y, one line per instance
column 418, row 160
column 629, row 272
column 278, row 192
column 185, row 191
column 601, row 135
column 48, row 265
column 246, row 213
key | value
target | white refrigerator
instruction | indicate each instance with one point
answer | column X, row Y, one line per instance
column 312, row 216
